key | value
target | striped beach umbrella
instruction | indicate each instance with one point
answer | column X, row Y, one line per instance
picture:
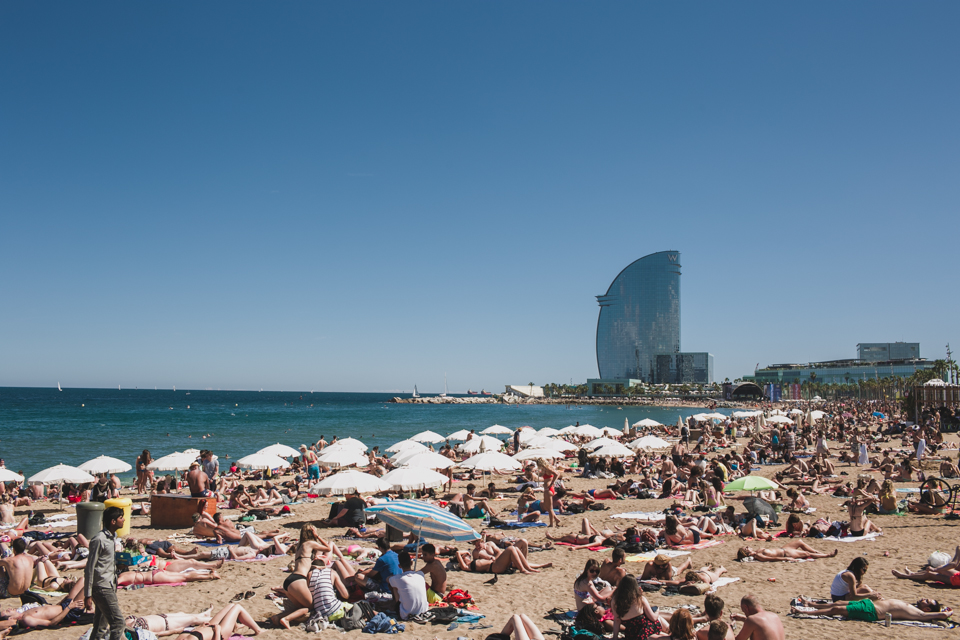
column 431, row 522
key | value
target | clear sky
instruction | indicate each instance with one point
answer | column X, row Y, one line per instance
column 358, row 196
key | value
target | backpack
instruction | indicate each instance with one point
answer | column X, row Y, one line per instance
column 444, row 615
column 357, row 616
column 575, row 508
column 458, row 598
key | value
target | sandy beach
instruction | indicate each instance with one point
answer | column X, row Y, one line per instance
column 908, row 540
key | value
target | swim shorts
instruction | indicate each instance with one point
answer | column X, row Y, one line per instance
column 475, row 512
column 955, row 581
column 219, row 553
column 862, row 610
column 433, row 597
column 696, row 536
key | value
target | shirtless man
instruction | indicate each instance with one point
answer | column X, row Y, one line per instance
column 47, row 615
column 757, row 623
column 434, row 571
column 612, row 570
column 199, row 482
column 793, row 550
column 867, row 610
column 16, row 574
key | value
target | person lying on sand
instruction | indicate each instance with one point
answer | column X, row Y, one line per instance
column 793, row 550
column 507, row 561
column 37, row 616
column 872, row 610
column 948, row 574
column 662, row 571
column 520, row 627
column 165, row 624
column 589, row 536
column 221, row 625
column 707, row 575
column 132, row 578
column 677, row 534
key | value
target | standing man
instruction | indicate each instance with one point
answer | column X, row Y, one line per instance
column 198, row 481
column 310, row 463
column 100, row 578
column 211, row 467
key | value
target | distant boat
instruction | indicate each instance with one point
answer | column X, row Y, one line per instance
column 484, row 392
column 174, row 388
column 118, row 388
column 58, row 386
column 415, row 394
column 471, row 392
column 444, row 394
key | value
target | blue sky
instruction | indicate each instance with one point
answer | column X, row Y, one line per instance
column 363, row 196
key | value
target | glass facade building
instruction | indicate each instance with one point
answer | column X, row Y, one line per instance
column 887, row 351
column 640, row 320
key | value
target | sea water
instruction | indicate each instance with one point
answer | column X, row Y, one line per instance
column 43, row 427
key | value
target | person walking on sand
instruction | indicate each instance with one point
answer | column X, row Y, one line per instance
column 100, row 578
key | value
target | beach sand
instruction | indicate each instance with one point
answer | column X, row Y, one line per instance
column 908, row 539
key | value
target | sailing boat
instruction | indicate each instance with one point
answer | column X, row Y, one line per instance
column 415, row 394
column 58, row 386
column 444, row 394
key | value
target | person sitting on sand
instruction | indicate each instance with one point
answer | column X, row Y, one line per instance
column 222, row 625
column 16, row 574
column 758, row 624
column 507, row 561
column 324, row 585
column 632, row 612
column 793, row 550
column 860, row 524
column 585, row 591
column 612, row 571
column 848, row 584
column 795, row 527
column 589, row 536
column 798, row 501
column 660, row 570
column 948, row 574
column 867, row 610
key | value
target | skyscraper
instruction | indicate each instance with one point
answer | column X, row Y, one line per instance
column 640, row 320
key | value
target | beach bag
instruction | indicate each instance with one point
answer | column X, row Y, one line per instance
column 444, row 615
column 456, row 509
column 575, row 508
column 36, row 519
column 357, row 616
column 694, row 589
column 458, row 598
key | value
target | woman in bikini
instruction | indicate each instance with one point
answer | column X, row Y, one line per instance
column 546, row 502
column 793, row 550
column 296, row 585
column 662, row 571
column 159, row 576
column 589, row 536
column 164, row 623
column 222, row 625
column 678, row 535
column 507, row 561
column 584, row 591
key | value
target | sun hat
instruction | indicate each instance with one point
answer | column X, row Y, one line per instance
column 661, row 560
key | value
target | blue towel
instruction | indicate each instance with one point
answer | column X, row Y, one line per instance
column 521, row 525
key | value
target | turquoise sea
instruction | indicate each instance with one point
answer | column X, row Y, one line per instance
column 43, row 427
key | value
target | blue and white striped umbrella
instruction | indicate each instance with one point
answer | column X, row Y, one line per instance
column 432, row 522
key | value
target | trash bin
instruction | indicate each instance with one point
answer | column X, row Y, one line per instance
column 89, row 518
column 127, row 505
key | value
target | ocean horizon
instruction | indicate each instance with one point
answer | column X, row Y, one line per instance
column 41, row 427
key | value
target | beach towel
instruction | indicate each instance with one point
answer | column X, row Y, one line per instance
column 597, row 548
column 520, row 525
column 809, row 613
column 702, row 545
column 869, row 537
column 721, row 582
column 640, row 515
column 650, row 555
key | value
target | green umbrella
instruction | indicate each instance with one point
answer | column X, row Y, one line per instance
column 750, row 483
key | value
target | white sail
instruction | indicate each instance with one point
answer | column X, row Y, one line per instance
column 58, row 386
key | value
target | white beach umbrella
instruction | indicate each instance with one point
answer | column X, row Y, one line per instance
column 566, row 430
column 349, row 443
column 701, row 417
column 611, row 432
column 816, row 414
column 548, row 432
column 798, row 412
column 483, row 443
column 428, row 436
column 343, row 459
column 599, row 442
column 716, row 415
column 780, row 419
column 105, row 464
column 350, row 481
column 410, row 478
column 9, row 476
column 778, row 412
column 497, row 430
column 539, row 442
column 192, row 452
column 406, row 445
column 425, row 460
column 490, row 461
column 538, row 454
column 557, row 445
column 526, row 435
column 61, row 473
column 262, row 461
column 647, row 422
column 281, row 450
column 615, row 450
column 463, row 434
column 589, row 431
column 176, row 461
column 649, row 442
